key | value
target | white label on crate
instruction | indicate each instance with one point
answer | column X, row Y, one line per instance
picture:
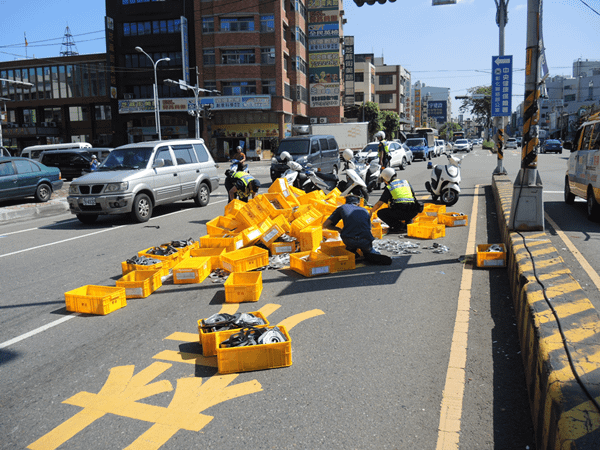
column 271, row 234
column 493, row 262
column 432, row 213
column 319, row 270
column 239, row 244
column 287, row 249
column 254, row 235
column 131, row 292
column 184, row 275
column 460, row 223
column 227, row 266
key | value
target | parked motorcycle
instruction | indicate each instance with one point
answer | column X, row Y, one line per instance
column 445, row 181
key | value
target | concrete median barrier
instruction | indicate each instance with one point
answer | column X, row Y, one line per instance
column 559, row 331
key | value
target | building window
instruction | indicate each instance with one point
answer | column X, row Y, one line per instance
column 156, row 27
column 211, row 85
column 386, row 79
column 267, row 55
column 297, row 5
column 237, row 24
column 239, row 87
column 287, row 91
column 208, row 57
column 78, row 113
column 269, row 87
column 301, row 65
column 299, row 36
column 570, row 98
column 267, row 23
column 238, row 57
column 102, row 112
column 359, row 77
column 386, row 98
column 359, row 97
column 208, row 24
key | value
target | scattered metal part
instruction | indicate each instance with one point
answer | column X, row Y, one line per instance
column 180, row 243
column 219, row 276
column 142, row 261
column 494, row 248
column 224, row 321
column 152, row 226
column 395, row 247
column 254, row 336
column 162, row 251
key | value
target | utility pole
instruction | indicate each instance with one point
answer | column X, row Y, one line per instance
column 501, row 19
column 527, row 210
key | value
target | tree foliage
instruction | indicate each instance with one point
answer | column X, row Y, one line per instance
column 480, row 109
column 390, row 120
column 447, row 130
column 369, row 112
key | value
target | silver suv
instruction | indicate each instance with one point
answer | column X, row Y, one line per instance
column 135, row 178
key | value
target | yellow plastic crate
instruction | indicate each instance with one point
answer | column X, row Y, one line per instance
column 424, row 219
column 311, row 264
column 311, row 217
column 418, row 230
column 208, row 338
column 272, row 233
column 296, row 192
column 309, row 198
column 299, row 211
column 221, row 225
column 243, row 287
column 278, row 248
column 192, row 270
column 168, row 261
column 377, row 230
column 310, row 238
column 245, row 259
column 344, row 260
column 278, row 205
column 333, row 195
column 431, row 209
column 214, row 254
column 332, row 244
column 330, row 234
column 491, row 259
column 233, row 207
column 140, row 283
column 283, row 223
column 253, row 357
column 91, row 299
column 126, row 268
column 254, row 233
column 251, row 214
column 230, row 242
column 281, row 186
column 326, row 209
column 453, row 219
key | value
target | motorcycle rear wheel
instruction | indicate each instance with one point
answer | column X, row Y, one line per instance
column 449, row 197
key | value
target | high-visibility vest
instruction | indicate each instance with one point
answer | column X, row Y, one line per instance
column 386, row 149
column 246, row 179
column 401, row 191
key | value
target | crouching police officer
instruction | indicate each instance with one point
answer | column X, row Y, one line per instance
column 244, row 185
column 356, row 233
column 401, row 199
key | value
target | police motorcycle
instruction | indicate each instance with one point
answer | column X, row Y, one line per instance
column 445, row 181
column 369, row 171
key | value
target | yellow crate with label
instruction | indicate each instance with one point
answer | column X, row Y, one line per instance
column 271, row 235
column 420, row 231
column 207, row 338
column 230, row 242
column 99, row 300
column 213, row 253
column 140, row 283
column 278, row 248
column 311, row 264
column 310, row 238
column 254, row 233
column 453, row 219
column 281, row 186
column 278, row 205
column 127, row 267
column 490, row 259
column 253, row 357
column 168, row 260
column 192, row 270
column 233, row 207
column 431, row 209
column 311, row 217
column 344, row 260
column 243, row 287
column 245, row 259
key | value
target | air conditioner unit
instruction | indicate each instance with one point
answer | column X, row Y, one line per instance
column 322, row 119
column 313, row 120
column 128, row 96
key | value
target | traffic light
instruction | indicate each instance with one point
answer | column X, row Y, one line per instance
column 371, row 2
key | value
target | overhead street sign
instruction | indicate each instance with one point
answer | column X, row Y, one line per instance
column 501, row 85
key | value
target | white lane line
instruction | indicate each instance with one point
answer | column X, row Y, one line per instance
column 38, row 330
column 86, row 235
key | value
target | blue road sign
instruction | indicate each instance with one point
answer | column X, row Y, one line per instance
column 501, row 85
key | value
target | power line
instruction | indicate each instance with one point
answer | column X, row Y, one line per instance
column 589, row 7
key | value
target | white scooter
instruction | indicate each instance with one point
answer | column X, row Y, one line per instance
column 445, row 181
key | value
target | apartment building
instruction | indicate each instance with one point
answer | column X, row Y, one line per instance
column 432, row 106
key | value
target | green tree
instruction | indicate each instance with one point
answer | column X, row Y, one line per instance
column 447, row 130
column 391, row 123
column 479, row 108
column 369, row 112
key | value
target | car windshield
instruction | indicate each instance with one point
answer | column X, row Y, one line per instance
column 414, row 142
column 294, row 147
column 127, row 158
column 370, row 148
column 552, row 142
column 462, row 141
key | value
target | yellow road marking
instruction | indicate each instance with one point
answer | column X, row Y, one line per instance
column 294, row 320
column 454, row 388
column 188, row 358
column 578, row 256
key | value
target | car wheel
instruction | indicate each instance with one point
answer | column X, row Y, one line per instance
column 403, row 164
column 569, row 196
column 87, row 219
column 142, row 208
column 593, row 209
column 43, row 192
column 203, row 196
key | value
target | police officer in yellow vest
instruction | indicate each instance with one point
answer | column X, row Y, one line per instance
column 383, row 150
column 402, row 203
column 244, row 185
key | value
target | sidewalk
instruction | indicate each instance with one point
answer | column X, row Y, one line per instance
column 28, row 208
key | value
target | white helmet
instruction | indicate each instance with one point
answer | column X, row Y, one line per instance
column 387, row 174
column 380, row 135
column 348, row 154
column 285, row 156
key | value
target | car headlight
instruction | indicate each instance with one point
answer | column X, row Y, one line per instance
column 73, row 189
column 117, row 187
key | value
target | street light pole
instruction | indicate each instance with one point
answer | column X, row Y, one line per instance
column 156, row 108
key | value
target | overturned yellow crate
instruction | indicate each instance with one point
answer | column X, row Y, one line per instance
column 278, row 205
column 377, row 230
column 222, row 225
column 312, row 263
column 140, row 283
column 420, row 231
column 453, row 219
column 310, row 197
column 207, row 338
column 192, row 270
column 311, row 217
column 251, row 214
column 281, row 186
column 344, row 260
column 230, row 242
column 253, row 357
column 273, row 232
column 243, row 287
column 278, row 248
column 99, row 300
column 487, row 258
column 233, row 207
column 245, row 259
column 431, row 209
column 310, row 238
column 253, row 233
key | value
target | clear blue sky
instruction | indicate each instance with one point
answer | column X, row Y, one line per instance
column 443, row 46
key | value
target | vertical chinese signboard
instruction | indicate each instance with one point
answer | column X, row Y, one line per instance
column 349, row 70
column 185, row 50
column 417, row 107
column 324, row 53
column 501, row 85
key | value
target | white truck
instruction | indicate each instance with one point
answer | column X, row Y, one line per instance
column 352, row 135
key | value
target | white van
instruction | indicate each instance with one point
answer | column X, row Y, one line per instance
column 34, row 151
